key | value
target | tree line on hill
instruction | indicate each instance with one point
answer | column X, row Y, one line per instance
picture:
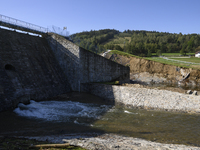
column 138, row 42
column 94, row 40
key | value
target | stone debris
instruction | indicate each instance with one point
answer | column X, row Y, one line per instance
column 139, row 97
column 184, row 72
column 194, row 93
column 112, row 142
column 189, row 92
column 95, row 141
column 147, row 78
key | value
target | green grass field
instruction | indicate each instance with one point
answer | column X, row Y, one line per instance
column 123, row 53
column 172, row 54
column 173, row 61
column 168, row 61
column 191, row 59
column 164, row 61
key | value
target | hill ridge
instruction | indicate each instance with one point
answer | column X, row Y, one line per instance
column 137, row 42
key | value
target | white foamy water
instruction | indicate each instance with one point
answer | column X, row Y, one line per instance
column 128, row 112
column 62, row 111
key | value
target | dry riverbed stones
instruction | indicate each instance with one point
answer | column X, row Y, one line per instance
column 114, row 142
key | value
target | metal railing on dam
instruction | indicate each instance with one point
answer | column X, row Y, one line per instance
column 21, row 25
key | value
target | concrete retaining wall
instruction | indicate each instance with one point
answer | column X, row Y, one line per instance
column 145, row 98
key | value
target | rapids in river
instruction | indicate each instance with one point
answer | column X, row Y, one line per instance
column 57, row 117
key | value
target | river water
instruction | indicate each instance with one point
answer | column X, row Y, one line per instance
column 81, row 116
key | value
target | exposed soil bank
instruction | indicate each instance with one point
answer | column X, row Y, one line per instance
column 157, row 71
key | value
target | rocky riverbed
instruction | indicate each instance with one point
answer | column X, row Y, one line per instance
column 163, row 99
column 112, row 142
column 135, row 96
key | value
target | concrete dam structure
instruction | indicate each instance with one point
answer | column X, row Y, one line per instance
column 37, row 68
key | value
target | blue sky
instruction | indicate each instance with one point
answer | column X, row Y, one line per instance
column 172, row 16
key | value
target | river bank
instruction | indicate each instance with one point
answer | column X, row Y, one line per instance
column 137, row 96
column 112, row 142
column 167, row 100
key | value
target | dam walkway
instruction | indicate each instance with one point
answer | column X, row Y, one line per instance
column 21, row 25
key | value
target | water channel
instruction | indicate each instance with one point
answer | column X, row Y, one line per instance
column 84, row 113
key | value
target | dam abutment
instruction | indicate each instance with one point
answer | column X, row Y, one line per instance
column 82, row 66
column 37, row 68
column 28, row 70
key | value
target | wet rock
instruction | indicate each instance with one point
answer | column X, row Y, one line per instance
column 184, row 72
column 189, row 92
column 194, row 93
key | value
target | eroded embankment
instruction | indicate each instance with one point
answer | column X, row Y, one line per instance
column 158, row 72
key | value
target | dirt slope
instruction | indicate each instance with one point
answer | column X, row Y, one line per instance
column 156, row 71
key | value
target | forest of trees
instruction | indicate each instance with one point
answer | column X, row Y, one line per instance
column 94, row 40
column 141, row 43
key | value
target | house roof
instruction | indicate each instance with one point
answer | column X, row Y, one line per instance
column 197, row 52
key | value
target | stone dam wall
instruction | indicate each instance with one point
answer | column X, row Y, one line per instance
column 82, row 66
column 42, row 67
column 28, row 70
